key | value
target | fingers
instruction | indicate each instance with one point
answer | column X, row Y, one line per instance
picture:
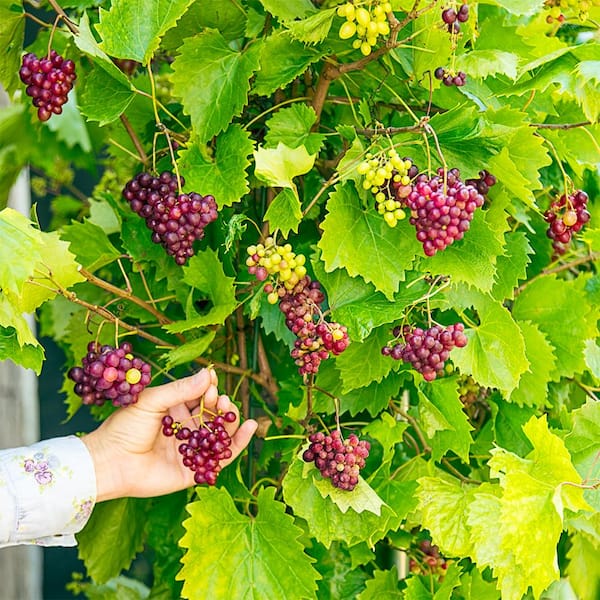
column 188, row 389
column 242, row 438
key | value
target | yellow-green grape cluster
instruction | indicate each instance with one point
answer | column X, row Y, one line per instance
column 285, row 267
column 559, row 7
column 365, row 20
column 380, row 171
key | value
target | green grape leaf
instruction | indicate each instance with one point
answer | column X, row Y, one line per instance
column 112, row 537
column 495, row 353
column 356, row 304
column 293, row 58
column 104, row 98
column 69, row 127
column 583, row 443
column 512, row 266
column 90, row 244
column 362, row 362
column 565, row 320
column 362, row 498
column 28, row 355
column 363, row 244
column 204, row 272
column 133, row 29
column 278, row 166
column 313, row 29
column 292, row 127
column 507, row 424
column 386, row 430
column 12, row 33
column 483, row 63
column 189, row 351
column 212, row 81
column 424, row 587
column 223, row 176
column 592, row 357
column 264, row 557
column 290, row 9
column 472, row 260
column 583, row 568
column 444, row 507
column 587, row 83
column 474, row 587
column 285, row 212
column 327, row 523
column 453, row 434
column 384, row 584
column 533, row 386
column 518, row 7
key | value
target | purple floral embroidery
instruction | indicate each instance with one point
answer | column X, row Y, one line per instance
column 39, row 468
column 84, row 510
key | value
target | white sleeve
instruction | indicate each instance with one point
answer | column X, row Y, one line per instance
column 47, row 492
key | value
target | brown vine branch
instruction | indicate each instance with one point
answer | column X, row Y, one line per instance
column 388, row 131
column 243, row 354
column 559, row 125
column 134, row 138
column 59, row 11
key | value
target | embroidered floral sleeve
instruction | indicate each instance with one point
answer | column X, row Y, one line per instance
column 47, row 492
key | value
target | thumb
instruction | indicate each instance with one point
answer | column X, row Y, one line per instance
column 163, row 397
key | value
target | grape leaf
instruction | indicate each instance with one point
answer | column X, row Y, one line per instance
column 583, row 443
column 293, row 58
column 290, row 9
column 533, row 385
column 447, row 526
column 212, row 81
column 12, row 32
column 112, row 537
column 28, row 355
column 223, row 176
column 583, row 568
column 586, row 86
column 285, row 212
column 474, row 587
column 453, row 432
column 425, row 587
column 362, row 362
column 518, row 7
column 495, row 354
column 592, row 357
column 90, row 244
column 313, row 29
column 132, row 29
column 204, row 272
column 507, row 424
column 511, row 267
column 259, row 557
column 570, row 308
column 278, row 166
column 482, row 63
column 363, row 244
column 189, row 351
column 292, row 127
column 384, row 584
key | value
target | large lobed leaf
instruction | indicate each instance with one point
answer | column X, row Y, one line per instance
column 230, row 555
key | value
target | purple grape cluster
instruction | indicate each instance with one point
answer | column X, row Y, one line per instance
column 110, row 374
column 449, row 78
column 202, row 448
column 442, row 209
column 49, row 81
column 316, row 338
column 337, row 460
column 427, row 560
column 176, row 220
column 426, row 349
column 565, row 216
column 453, row 18
column 483, row 183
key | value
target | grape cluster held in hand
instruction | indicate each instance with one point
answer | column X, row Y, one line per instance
column 204, row 447
column 110, row 374
column 426, row 350
column 337, row 460
column 49, row 81
column 176, row 220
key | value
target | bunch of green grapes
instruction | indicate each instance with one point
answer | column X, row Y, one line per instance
column 381, row 171
column 557, row 8
column 281, row 263
column 366, row 20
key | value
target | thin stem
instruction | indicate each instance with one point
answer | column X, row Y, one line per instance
column 134, row 138
column 72, row 27
column 388, row 131
column 126, row 150
column 559, row 125
column 457, row 473
column 36, row 20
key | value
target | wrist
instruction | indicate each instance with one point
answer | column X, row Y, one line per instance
column 108, row 480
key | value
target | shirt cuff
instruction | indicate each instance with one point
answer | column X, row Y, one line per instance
column 53, row 485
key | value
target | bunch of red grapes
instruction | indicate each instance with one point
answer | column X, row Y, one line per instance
column 202, row 448
column 49, row 81
column 110, row 374
column 453, row 18
column 338, row 460
column 176, row 220
column 426, row 560
column 442, row 209
column 426, row 350
column 565, row 216
column 483, row 183
column 449, row 78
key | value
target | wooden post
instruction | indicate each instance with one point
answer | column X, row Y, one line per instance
column 20, row 566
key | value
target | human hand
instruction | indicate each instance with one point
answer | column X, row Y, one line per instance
column 131, row 455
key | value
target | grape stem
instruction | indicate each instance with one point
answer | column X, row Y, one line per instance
column 134, row 138
column 72, row 27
